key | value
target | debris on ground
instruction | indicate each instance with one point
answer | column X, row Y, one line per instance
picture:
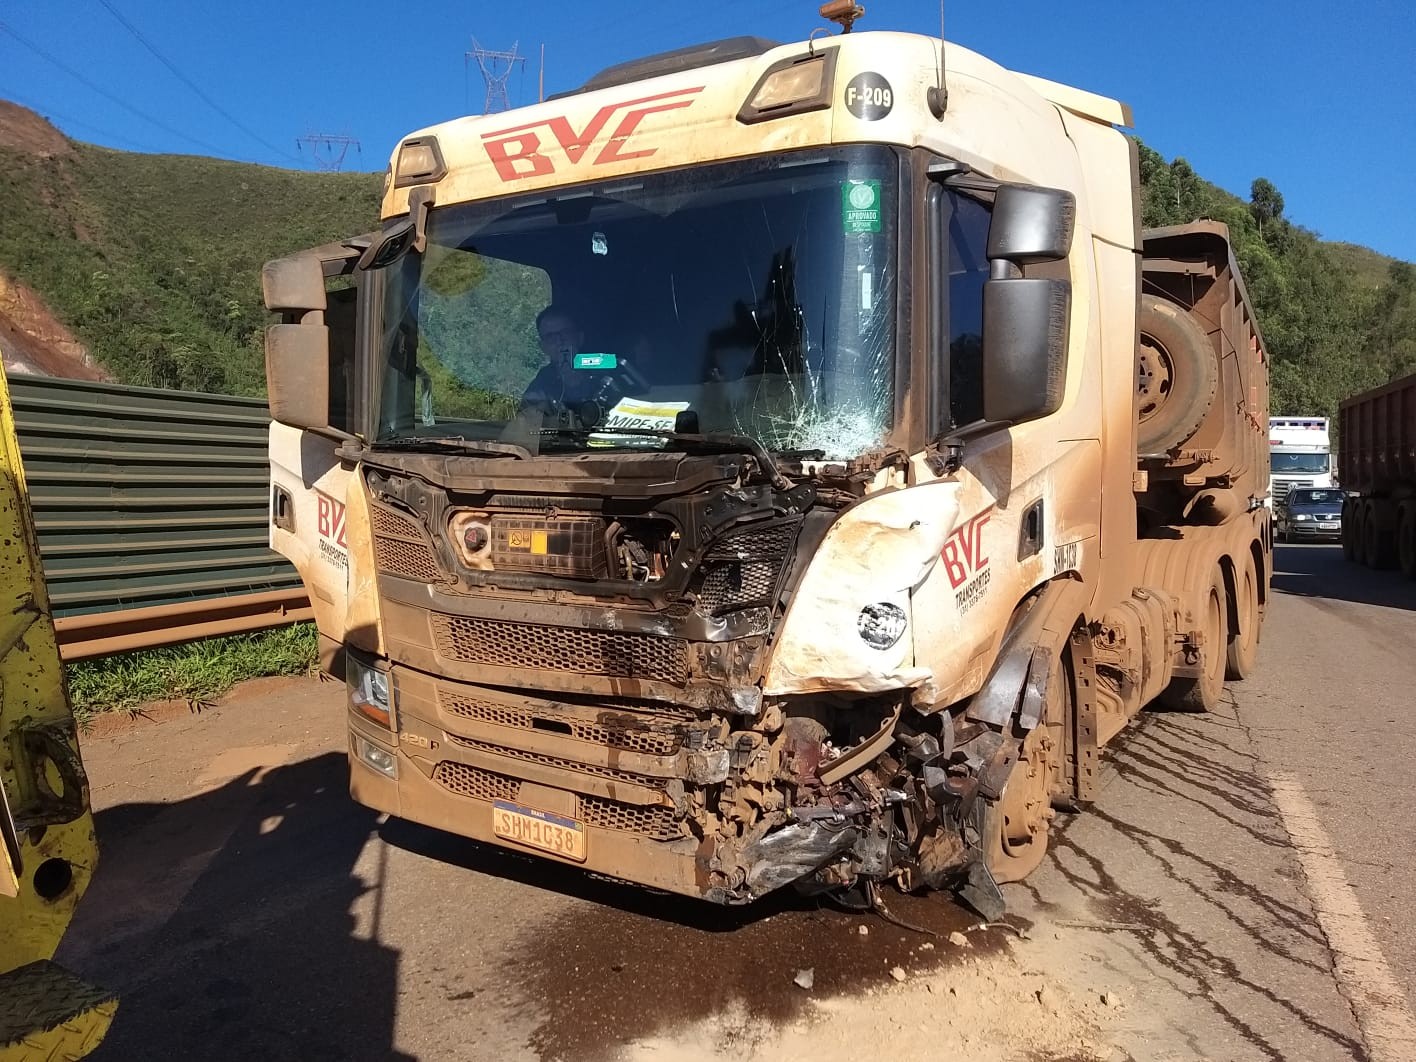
column 959, row 940
column 805, row 979
column 897, row 972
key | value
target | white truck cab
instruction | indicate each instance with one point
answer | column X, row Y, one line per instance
column 1300, row 455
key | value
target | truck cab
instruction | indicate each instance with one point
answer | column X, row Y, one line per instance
column 727, row 475
column 1300, row 455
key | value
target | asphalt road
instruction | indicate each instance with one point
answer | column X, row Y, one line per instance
column 1237, row 892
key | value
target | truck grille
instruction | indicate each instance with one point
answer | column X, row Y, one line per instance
column 654, row 823
column 741, row 569
column 559, row 763
column 618, row 732
column 401, row 548
column 1281, row 487
column 534, row 647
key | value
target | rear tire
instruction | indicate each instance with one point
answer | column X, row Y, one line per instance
column 1349, row 532
column 1203, row 694
column 1243, row 649
column 1377, row 549
column 1406, row 541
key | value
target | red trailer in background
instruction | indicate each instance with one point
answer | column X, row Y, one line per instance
column 1377, row 463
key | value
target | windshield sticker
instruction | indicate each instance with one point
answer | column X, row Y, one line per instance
column 596, row 361
column 641, row 414
column 869, row 96
column 860, row 206
column 598, row 244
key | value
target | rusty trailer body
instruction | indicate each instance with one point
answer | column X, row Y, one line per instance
column 815, row 533
column 1377, row 466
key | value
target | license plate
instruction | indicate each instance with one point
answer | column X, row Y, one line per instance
column 1330, row 525
column 539, row 829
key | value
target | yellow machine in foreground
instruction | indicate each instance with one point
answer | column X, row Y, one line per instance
column 47, row 848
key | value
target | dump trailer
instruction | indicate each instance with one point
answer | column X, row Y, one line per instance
column 47, row 847
column 732, row 473
column 1377, row 466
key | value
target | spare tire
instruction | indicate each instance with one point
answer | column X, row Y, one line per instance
column 1177, row 376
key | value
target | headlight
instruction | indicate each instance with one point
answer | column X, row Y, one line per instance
column 1301, row 517
column 369, row 690
column 881, row 625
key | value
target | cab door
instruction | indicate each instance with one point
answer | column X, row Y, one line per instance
column 316, row 387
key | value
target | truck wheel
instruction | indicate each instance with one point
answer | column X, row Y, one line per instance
column 1406, row 541
column 1202, row 694
column 1349, row 532
column 1015, row 826
column 1176, row 374
column 1376, row 546
column 1244, row 644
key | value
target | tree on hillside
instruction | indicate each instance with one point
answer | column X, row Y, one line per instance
column 1265, row 202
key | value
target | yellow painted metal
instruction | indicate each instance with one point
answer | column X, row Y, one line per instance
column 47, row 847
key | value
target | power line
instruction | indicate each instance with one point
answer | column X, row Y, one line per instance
column 191, row 84
column 5, row 28
column 328, row 149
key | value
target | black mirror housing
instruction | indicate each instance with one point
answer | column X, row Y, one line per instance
column 297, row 371
column 1031, row 224
column 1025, row 324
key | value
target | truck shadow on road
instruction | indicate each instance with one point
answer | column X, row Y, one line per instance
column 1182, row 869
column 1319, row 572
column 626, row 963
column 226, row 923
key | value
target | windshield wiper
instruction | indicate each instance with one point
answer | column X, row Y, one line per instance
column 450, row 444
column 721, row 442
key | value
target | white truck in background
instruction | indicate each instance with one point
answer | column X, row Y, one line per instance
column 1300, row 455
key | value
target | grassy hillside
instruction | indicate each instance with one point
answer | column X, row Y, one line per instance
column 154, row 262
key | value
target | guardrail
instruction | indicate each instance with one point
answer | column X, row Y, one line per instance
column 151, row 512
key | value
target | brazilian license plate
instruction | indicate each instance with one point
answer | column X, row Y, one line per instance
column 539, row 829
column 1330, row 525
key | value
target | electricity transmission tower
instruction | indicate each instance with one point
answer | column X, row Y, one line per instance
column 497, row 68
column 327, row 149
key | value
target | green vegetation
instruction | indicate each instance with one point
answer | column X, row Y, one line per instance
column 154, row 260
column 196, row 672
column 1337, row 318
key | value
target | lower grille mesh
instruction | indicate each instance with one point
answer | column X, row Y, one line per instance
column 654, row 823
column 592, row 652
column 615, row 731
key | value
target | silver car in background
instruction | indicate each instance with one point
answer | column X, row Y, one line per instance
column 1310, row 514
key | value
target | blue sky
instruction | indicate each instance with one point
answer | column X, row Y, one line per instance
column 1318, row 97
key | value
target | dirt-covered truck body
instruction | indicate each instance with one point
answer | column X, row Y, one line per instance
column 1377, row 467
column 732, row 473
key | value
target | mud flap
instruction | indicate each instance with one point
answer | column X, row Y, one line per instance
column 981, row 892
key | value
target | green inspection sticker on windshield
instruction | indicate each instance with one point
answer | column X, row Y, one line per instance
column 860, row 206
column 596, row 361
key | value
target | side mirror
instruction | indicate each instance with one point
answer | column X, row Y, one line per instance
column 1026, row 319
column 299, row 350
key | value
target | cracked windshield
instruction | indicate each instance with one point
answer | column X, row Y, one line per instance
column 750, row 299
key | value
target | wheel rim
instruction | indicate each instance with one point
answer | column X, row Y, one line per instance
column 1024, row 811
column 1215, row 635
column 1155, row 376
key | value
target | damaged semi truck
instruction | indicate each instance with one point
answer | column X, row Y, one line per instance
column 769, row 464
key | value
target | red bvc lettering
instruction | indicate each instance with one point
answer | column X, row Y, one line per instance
column 331, row 519
column 963, row 554
column 516, row 152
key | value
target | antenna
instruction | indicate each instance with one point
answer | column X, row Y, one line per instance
column 328, row 149
column 939, row 94
column 496, row 70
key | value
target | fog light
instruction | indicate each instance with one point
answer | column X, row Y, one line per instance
column 881, row 625
column 377, row 758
